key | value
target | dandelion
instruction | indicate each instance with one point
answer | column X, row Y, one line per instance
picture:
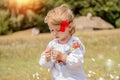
column 111, row 76
column 38, row 77
column 89, row 75
column 48, row 70
column 94, row 73
column 109, row 64
column 37, row 74
column 101, row 78
column 33, row 75
column 90, row 71
column 117, row 77
column 118, row 65
column 93, row 59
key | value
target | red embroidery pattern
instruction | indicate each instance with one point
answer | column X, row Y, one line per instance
column 69, row 53
column 59, row 61
column 75, row 45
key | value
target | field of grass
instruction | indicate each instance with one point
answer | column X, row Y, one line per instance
column 20, row 53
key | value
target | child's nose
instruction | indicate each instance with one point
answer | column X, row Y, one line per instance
column 54, row 33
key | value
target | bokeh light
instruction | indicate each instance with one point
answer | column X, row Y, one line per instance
column 21, row 6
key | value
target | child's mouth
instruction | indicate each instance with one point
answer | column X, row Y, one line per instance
column 56, row 37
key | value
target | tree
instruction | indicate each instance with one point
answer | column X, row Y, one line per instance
column 21, row 15
column 4, row 22
column 109, row 10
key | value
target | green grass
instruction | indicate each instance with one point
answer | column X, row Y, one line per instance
column 20, row 53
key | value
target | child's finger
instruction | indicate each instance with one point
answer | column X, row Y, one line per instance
column 55, row 55
column 48, row 55
column 48, row 50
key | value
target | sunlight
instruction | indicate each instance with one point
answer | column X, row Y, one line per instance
column 22, row 1
column 24, row 5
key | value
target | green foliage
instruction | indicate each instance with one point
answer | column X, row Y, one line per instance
column 13, row 20
column 4, row 23
column 109, row 10
column 117, row 23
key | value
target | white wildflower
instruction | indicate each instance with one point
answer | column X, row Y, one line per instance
column 117, row 77
column 118, row 65
column 109, row 64
column 48, row 70
column 38, row 77
column 33, row 75
column 94, row 73
column 37, row 74
column 111, row 76
column 90, row 71
column 89, row 75
column 93, row 59
column 101, row 78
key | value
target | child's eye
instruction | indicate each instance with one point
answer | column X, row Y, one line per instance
column 58, row 30
column 54, row 31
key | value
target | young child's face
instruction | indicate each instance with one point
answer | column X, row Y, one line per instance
column 57, row 34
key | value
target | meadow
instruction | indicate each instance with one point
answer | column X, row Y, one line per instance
column 20, row 53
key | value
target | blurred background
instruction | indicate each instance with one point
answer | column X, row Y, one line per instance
column 24, row 36
column 16, row 15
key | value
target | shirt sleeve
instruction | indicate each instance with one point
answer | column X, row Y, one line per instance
column 76, row 56
column 43, row 61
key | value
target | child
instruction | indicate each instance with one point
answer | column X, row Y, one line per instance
column 64, row 54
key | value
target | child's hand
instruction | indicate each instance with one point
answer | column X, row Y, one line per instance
column 58, row 56
column 48, row 54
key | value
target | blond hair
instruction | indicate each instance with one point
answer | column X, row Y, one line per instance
column 59, row 14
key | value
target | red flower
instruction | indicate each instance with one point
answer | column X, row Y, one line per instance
column 76, row 45
column 63, row 25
